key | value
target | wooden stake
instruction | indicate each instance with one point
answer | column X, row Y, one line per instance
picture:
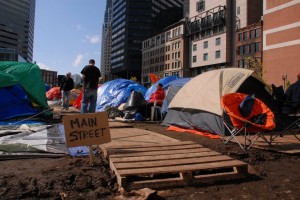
column 91, row 156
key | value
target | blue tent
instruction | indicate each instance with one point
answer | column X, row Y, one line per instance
column 163, row 81
column 15, row 103
column 172, row 88
column 115, row 92
column 21, row 86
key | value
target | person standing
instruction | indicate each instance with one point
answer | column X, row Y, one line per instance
column 293, row 96
column 90, row 76
column 66, row 85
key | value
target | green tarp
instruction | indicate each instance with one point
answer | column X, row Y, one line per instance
column 28, row 76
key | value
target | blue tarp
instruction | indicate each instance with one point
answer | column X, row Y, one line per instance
column 115, row 92
column 14, row 102
column 20, row 122
column 163, row 81
column 47, row 87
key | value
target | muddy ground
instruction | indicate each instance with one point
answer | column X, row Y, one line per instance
column 273, row 176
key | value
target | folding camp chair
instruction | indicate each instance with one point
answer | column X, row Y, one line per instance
column 290, row 124
column 156, row 113
column 288, row 117
column 237, row 124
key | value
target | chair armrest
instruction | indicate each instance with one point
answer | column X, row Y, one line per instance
column 158, row 102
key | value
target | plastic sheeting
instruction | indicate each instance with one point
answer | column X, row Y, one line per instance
column 116, row 92
column 32, row 141
column 163, row 81
column 14, row 103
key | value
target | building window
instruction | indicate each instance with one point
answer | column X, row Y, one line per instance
column 245, row 64
column 218, row 41
column 240, row 37
column 241, row 52
column 200, row 5
column 252, row 48
column 257, row 46
column 205, row 44
column 195, row 47
column 257, row 32
column 205, row 56
column 218, row 54
column 245, row 49
column 163, row 38
column 194, row 59
column 245, row 36
column 240, row 64
column 252, row 34
column 238, row 10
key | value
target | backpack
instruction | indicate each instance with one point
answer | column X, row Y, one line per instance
column 246, row 105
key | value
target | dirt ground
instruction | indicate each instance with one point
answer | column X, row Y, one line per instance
column 273, row 176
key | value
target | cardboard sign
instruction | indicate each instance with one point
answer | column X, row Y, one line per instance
column 86, row 129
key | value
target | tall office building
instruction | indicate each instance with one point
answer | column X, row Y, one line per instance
column 281, row 41
column 106, row 43
column 17, row 30
column 134, row 21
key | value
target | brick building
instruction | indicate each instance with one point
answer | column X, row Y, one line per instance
column 281, row 41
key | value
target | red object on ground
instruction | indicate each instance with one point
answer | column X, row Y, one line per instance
column 77, row 103
column 206, row 134
column 53, row 93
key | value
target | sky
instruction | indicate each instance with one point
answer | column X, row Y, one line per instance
column 67, row 34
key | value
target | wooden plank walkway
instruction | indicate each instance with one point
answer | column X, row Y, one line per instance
column 121, row 137
column 171, row 164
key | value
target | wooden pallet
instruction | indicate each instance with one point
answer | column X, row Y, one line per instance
column 173, row 164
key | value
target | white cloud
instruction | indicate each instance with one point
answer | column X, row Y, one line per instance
column 78, row 60
column 43, row 66
column 78, row 27
column 93, row 39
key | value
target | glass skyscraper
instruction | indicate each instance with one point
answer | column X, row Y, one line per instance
column 132, row 22
column 16, row 30
column 106, row 42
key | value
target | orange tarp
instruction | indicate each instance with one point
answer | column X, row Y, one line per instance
column 206, row 134
column 154, row 78
column 53, row 94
